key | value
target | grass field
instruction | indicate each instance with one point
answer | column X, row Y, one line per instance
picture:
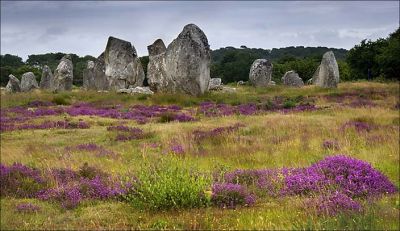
column 359, row 120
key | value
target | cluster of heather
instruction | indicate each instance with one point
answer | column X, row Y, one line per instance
column 26, row 208
column 229, row 195
column 61, row 124
column 352, row 99
column 334, row 203
column 125, row 133
column 353, row 178
column 212, row 109
column 199, row 135
column 64, row 186
column 99, row 151
column 359, row 126
column 333, row 185
column 331, row 144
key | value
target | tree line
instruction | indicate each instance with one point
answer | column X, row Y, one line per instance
column 367, row 60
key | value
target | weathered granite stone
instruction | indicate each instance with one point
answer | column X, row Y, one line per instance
column 47, row 78
column 64, row 75
column 327, row 74
column 156, row 69
column 122, row 66
column 100, row 78
column 215, row 84
column 260, row 73
column 141, row 90
column 13, row 84
column 89, row 76
column 241, row 82
column 28, row 82
column 291, row 78
column 136, row 90
column 271, row 83
column 188, row 61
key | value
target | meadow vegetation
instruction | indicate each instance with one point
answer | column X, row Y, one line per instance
column 270, row 158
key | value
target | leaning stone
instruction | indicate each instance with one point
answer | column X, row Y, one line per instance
column 327, row 74
column 13, row 84
column 28, row 82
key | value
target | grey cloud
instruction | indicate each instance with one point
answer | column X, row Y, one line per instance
column 83, row 27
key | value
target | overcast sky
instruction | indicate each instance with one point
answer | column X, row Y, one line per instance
column 83, row 27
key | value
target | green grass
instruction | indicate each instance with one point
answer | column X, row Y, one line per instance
column 270, row 140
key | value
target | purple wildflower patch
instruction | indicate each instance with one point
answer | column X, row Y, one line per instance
column 100, row 151
column 334, row 203
column 125, row 133
column 331, row 144
column 228, row 195
column 199, row 135
column 27, row 208
column 358, row 126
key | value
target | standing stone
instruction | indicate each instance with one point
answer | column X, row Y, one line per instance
column 291, row 78
column 63, row 75
column 260, row 73
column 188, row 61
column 122, row 66
column 327, row 74
column 28, row 82
column 100, row 78
column 89, row 77
column 47, row 79
column 215, row 84
column 13, row 84
column 156, row 69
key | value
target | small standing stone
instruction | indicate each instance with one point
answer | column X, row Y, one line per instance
column 13, row 84
column 260, row 73
column 291, row 78
column 28, row 82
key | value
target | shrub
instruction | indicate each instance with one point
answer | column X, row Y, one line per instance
column 20, row 181
column 334, row 203
column 169, row 184
column 61, row 100
column 289, row 104
column 230, row 195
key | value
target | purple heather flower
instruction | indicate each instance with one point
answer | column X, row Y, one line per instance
column 230, row 195
column 27, row 208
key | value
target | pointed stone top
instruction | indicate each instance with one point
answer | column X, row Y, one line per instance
column 157, row 47
column 191, row 31
column 122, row 44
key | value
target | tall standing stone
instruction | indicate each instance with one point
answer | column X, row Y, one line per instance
column 327, row 74
column 89, row 77
column 64, row 75
column 122, row 66
column 156, row 69
column 188, row 61
column 47, row 79
column 291, row 78
column 13, row 84
column 260, row 73
column 28, row 82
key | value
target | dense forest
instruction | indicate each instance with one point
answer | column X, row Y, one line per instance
column 367, row 60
